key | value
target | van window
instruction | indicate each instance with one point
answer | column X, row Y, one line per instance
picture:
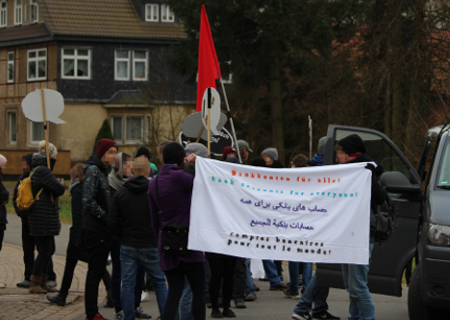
column 444, row 167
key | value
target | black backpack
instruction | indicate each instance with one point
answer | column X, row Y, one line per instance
column 382, row 220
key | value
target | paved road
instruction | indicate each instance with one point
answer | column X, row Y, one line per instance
column 270, row 305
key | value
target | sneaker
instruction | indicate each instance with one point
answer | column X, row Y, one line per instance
column 264, row 279
column 301, row 316
column 144, row 296
column 215, row 313
column 279, row 287
column 250, row 297
column 51, row 283
column 256, row 288
column 24, row 284
column 118, row 315
column 291, row 294
column 324, row 315
column 228, row 313
column 240, row 303
column 59, row 299
column 140, row 313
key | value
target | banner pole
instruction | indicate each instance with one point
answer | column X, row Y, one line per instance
column 45, row 128
column 231, row 120
column 209, row 122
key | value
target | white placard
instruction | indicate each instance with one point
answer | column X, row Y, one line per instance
column 314, row 214
column 54, row 106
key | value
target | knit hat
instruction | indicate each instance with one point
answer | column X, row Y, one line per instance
column 2, row 160
column 258, row 162
column 226, row 151
column 321, row 146
column 51, row 149
column 243, row 145
column 174, row 153
column 143, row 151
column 352, row 144
column 198, row 149
column 104, row 145
column 272, row 153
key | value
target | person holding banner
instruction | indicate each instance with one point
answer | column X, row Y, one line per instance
column 351, row 149
column 44, row 214
column 170, row 195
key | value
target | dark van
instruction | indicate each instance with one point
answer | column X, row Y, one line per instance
column 422, row 222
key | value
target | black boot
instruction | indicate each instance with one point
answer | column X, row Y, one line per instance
column 59, row 299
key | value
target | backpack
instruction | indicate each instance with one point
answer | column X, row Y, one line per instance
column 382, row 221
column 25, row 198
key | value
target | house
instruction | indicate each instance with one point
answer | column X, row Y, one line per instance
column 106, row 57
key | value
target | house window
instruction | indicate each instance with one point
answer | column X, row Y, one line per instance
column 76, row 63
column 125, row 60
column 37, row 132
column 34, row 11
column 3, row 13
column 122, row 65
column 128, row 129
column 12, row 127
column 37, row 64
column 18, row 12
column 152, row 12
column 10, row 73
column 166, row 14
column 140, row 65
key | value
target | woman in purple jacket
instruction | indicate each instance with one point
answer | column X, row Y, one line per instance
column 174, row 201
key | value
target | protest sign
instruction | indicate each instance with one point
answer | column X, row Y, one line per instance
column 315, row 214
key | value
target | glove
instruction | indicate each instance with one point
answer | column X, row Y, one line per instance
column 371, row 167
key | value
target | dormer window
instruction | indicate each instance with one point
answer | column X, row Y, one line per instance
column 3, row 12
column 34, row 12
column 18, row 12
column 166, row 14
column 152, row 13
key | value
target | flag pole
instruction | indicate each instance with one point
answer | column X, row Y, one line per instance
column 231, row 120
column 209, row 121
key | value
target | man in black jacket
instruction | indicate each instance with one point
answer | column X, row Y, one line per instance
column 130, row 221
column 96, row 207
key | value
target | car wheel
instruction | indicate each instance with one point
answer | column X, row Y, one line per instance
column 416, row 309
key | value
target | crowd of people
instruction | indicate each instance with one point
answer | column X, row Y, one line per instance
column 121, row 208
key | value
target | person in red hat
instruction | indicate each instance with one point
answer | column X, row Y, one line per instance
column 229, row 152
column 96, row 205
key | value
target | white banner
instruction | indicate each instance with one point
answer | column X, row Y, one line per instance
column 313, row 214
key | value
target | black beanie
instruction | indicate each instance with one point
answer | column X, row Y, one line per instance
column 143, row 151
column 28, row 158
column 352, row 144
column 174, row 153
column 259, row 162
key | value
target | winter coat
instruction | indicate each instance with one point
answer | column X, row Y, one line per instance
column 315, row 161
column 3, row 197
column 276, row 165
column 96, row 197
column 76, row 247
column 175, row 191
column 130, row 215
column 43, row 216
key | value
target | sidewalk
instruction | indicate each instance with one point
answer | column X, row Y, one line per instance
column 16, row 303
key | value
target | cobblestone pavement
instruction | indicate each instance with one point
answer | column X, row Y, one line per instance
column 16, row 303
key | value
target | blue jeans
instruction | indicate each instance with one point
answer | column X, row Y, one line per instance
column 294, row 275
column 316, row 294
column 130, row 259
column 355, row 281
column 271, row 272
column 185, row 307
column 250, row 285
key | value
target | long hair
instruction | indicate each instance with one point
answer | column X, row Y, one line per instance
column 77, row 172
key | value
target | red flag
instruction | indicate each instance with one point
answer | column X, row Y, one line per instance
column 208, row 65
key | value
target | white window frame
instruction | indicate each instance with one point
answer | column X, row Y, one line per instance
column 168, row 15
column 145, row 60
column 18, row 12
column 127, row 60
column 10, row 113
column 36, row 59
column 75, row 57
column 3, row 14
column 151, row 7
column 31, row 132
column 34, row 6
column 8, row 63
column 124, row 117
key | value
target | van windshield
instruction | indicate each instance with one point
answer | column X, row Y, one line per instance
column 443, row 181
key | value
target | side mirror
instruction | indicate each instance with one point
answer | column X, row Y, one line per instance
column 396, row 182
